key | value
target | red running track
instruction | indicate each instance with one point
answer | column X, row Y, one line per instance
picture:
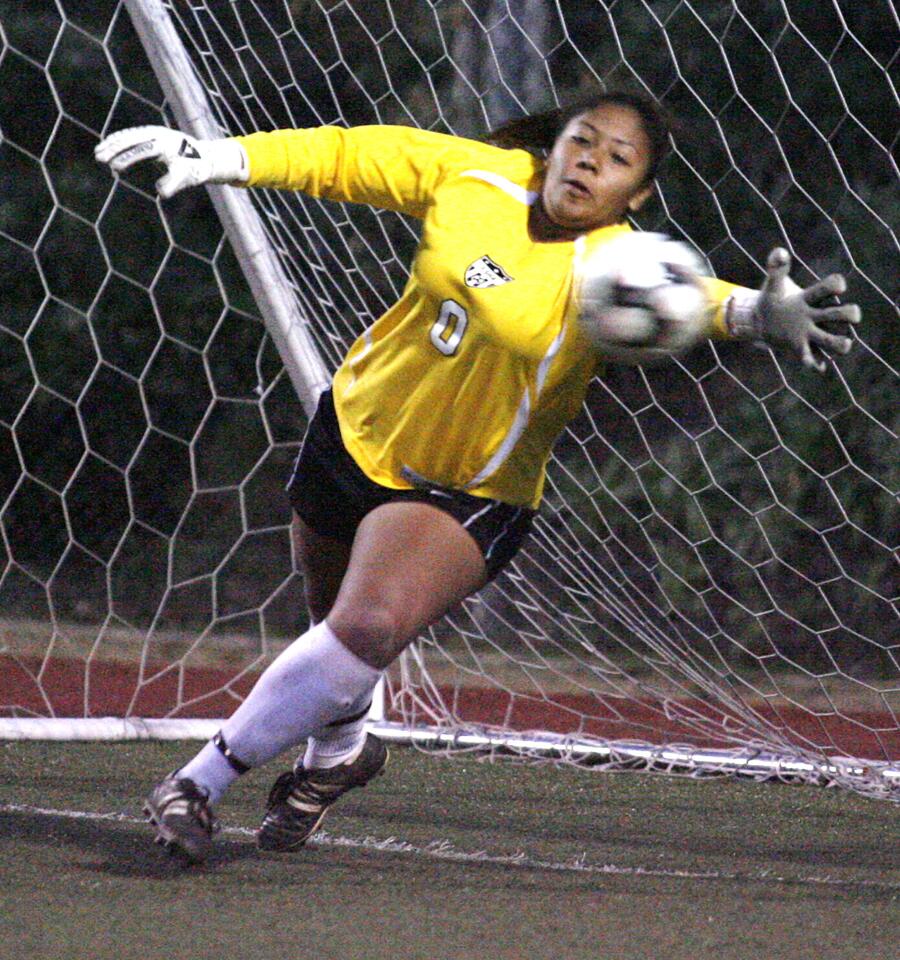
column 72, row 688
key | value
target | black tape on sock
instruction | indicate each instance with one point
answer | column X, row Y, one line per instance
column 353, row 719
column 234, row 762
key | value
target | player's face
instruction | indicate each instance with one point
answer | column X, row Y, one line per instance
column 596, row 172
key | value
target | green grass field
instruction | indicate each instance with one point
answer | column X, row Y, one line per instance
column 447, row 859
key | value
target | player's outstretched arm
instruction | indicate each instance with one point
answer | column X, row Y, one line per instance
column 189, row 162
column 785, row 315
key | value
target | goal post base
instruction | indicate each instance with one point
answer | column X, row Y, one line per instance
column 873, row 777
column 878, row 777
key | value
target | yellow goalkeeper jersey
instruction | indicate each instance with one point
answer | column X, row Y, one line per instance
column 469, row 378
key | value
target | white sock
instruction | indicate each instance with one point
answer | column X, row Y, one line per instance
column 315, row 681
column 210, row 771
column 335, row 744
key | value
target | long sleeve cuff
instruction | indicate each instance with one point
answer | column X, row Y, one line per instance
column 741, row 320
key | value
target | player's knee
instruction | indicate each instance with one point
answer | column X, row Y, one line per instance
column 374, row 632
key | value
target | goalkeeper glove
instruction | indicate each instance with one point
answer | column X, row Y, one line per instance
column 188, row 161
column 782, row 314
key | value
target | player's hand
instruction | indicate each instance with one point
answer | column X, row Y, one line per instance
column 188, row 161
column 789, row 316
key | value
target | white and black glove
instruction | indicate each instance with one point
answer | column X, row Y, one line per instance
column 189, row 162
column 782, row 314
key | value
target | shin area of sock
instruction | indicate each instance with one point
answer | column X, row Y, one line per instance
column 312, row 683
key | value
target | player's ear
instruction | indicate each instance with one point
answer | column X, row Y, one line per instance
column 640, row 198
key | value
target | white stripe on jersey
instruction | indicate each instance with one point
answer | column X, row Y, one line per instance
column 367, row 338
column 516, row 191
column 522, row 414
column 509, row 441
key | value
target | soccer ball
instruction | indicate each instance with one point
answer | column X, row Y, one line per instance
column 639, row 298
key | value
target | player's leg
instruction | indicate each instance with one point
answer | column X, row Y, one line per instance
column 410, row 563
column 322, row 562
column 312, row 683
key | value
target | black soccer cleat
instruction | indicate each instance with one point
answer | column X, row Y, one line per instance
column 300, row 798
column 184, row 823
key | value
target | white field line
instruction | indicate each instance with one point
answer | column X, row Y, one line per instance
column 445, row 850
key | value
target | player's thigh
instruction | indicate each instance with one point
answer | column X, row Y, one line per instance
column 411, row 562
column 322, row 561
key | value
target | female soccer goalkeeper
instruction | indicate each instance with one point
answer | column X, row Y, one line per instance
column 421, row 470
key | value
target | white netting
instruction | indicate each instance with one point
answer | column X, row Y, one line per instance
column 714, row 561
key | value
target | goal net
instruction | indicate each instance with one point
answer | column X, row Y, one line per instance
column 712, row 581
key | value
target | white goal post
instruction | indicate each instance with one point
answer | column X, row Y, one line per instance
column 712, row 583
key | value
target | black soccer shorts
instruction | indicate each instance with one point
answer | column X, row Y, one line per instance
column 332, row 495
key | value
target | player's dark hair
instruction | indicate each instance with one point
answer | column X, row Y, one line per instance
column 538, row 133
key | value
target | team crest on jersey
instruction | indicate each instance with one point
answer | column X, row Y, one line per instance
column 484, row 272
